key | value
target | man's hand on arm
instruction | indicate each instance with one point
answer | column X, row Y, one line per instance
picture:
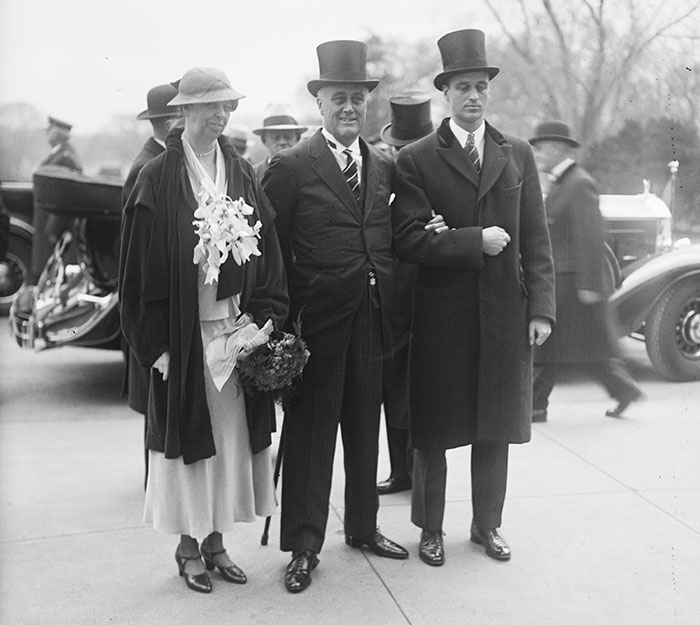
column 494, row 240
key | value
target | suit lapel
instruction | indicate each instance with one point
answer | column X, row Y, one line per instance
column 496, row 157
column 456, row 158
column 326, row 167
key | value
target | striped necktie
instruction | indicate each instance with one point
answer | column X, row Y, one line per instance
column 351, row 175
column 472, row 152
column 350, row 172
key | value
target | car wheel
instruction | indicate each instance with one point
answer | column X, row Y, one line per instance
column 14, row 268
column 673, row 332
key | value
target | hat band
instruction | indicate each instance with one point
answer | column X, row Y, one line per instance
column 279, row 120
column 466, row 64
column 348, row 76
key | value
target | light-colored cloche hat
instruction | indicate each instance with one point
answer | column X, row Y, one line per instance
column 201, row 85
column 278, row 116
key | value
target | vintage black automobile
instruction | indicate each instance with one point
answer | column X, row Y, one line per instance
column 75, row 302
column 657, row 297
column 659, row 301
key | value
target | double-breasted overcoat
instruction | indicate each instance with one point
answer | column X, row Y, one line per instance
column 470, row 358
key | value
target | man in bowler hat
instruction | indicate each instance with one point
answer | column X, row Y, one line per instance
column 584, row 334
column 331, row 194
column 483, row 296
column 279, row 131
column 136, row 377
column 410, row 121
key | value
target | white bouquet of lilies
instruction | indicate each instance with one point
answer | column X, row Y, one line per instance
column 223, row 229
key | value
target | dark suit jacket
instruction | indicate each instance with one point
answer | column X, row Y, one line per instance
column 329, row 243
column 470, row 370
column 583, row 333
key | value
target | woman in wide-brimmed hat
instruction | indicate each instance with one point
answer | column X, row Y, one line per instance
column 187, row 313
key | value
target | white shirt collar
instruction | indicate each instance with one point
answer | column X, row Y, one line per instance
column 558, row 170
column 354, row 147
column 463, row 135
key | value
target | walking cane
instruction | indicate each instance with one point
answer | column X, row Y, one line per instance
column 276, row 477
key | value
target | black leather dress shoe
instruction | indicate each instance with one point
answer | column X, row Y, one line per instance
column 496, row 545
column 379, row 544
column 394, row 485
column 298, row 575
column 432, row 548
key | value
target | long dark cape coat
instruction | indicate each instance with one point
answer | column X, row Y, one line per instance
column 584, row 332
column 470, row 359
column 158, row 297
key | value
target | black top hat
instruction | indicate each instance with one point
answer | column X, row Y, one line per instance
column 410, row 119
column 341, row 62
column 554, row 131
column 157, row 100
column 59, row 123
column 463, row 51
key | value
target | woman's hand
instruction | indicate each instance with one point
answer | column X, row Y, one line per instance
column 163, row 365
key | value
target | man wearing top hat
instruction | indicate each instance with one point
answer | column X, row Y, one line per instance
column 584, row 334
column 331, row 193
column 48, row 227
column 410, row 121
column 483, row 296
column 136, row 377
column 279, row 132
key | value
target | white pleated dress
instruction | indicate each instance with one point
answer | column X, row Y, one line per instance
column 234, row 485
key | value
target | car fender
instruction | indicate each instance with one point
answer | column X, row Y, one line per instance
column 639, row 292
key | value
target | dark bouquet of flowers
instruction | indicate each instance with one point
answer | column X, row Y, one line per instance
column 273, row 366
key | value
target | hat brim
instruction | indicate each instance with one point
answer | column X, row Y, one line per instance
column 314, row 85
column 387, row 137
column 220, row 95
column 561, row 138
column 442, row 77
column 148, row 115
column 259, row 131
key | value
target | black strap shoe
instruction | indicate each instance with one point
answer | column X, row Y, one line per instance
column 198, row 583
column 298, row 575
column 432, row 548
column 394, row 485
column 491, row 538
column 379, row 544
column 230, row 573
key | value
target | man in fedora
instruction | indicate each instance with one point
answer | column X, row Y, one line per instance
column 136, row 377
column 331, row 194
column 279, row 132
column 483, row 296
column 584, row 334
column 410, row 121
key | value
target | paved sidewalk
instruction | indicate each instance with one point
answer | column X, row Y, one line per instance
column 603, row 516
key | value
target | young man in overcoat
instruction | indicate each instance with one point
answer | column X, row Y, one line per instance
column 484, row 295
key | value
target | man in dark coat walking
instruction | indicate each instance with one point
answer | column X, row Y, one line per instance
column 484, row 295
column 331, row 194
column 584, row 335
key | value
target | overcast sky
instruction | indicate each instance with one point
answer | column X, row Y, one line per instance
column 86, row 60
